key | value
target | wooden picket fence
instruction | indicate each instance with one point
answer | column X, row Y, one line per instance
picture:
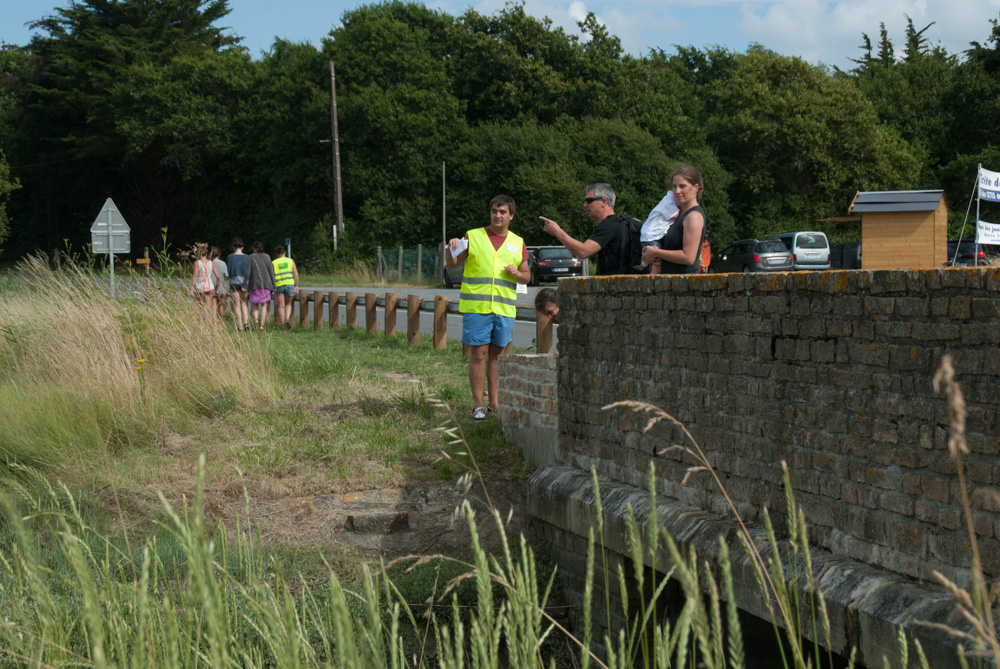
column 391, row 303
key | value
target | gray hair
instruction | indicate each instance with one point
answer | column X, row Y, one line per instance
column 604, row 191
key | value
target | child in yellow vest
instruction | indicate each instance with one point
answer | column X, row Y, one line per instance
column 286, row 281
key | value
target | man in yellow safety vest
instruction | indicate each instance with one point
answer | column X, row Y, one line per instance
column 496, row 260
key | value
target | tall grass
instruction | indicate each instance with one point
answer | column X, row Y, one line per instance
column 79, row 367
column 70, row 595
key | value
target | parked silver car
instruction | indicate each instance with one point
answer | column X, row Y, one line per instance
column 753, row 255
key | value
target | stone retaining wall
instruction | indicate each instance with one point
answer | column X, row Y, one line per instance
column 528, row 405
column 831, row 372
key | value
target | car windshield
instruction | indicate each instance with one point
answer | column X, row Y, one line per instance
column 811, row 241
column 549, row 254
column 968, row 247
column 771, row 246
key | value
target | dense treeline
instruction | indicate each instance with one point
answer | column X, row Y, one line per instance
column 155, row 105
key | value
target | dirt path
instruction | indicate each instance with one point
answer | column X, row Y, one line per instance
column 387, row 523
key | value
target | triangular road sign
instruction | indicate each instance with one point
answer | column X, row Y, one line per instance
column 110, row 232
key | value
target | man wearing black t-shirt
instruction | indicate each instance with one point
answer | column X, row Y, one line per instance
column 606, row 239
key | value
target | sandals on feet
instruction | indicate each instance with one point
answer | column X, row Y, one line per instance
column 479, row 413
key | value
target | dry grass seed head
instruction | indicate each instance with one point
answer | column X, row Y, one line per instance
column 454, row 583
column 692, row 470
column 658, row 413
column 945, row 377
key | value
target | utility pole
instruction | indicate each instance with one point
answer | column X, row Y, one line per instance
column 337, row 197
column 444, row 218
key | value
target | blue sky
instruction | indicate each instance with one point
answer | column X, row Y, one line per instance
column 819, row 31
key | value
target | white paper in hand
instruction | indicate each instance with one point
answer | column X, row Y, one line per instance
column 522, row 288
column 462, row 245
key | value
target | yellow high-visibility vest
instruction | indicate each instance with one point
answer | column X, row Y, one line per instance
column 486, row 287
column 283, row 275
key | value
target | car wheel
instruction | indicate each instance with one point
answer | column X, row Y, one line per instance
column 746, row 268
column 447, row 280
column 711, row 270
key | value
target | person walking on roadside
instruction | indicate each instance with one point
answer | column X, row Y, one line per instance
column 496, row 260
column 204, row 279
column 609, row 239
column 221, row 288
column 237, row 264
column 286, row 281
column 260, row 283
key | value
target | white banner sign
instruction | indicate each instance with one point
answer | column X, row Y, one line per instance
column 989, row 185
column 987, row 233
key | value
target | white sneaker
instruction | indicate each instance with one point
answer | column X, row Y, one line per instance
column 479, row 413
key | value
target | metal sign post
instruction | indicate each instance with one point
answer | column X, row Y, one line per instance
column 110, row 234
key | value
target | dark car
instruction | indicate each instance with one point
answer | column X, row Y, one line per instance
column 553, row 262
column 753, row 255
column 453, row 275
column 971, row 253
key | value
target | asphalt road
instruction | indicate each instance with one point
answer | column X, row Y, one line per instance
column 524, row 331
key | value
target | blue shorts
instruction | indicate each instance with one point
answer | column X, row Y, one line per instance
column 655, row 243
column 285, row 290
column 482, row 329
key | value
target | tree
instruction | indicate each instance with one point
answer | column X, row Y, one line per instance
column 85, row 121
column 916, row 43
column 272, row 179
column 511, row 65
column 800, row 144
column 886, row 56
column 10, row 62
column 398, row 119
column 974, row 104
column 974, row 98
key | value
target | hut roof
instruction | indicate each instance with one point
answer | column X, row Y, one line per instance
column 896, row 200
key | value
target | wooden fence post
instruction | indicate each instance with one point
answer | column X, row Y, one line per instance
column 318, row 311
column 378, row 265
column 390, row 315
column 351, row 308
column 334, row 311
column 420, row 253
column 304, row 309
column 543, row 333
column 371, row 315
column 413, row 320
column 440, row 322
column 400, row 275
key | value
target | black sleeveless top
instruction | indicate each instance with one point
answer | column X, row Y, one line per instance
column 674, row 241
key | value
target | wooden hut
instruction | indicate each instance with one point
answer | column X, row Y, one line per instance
column 902, row 228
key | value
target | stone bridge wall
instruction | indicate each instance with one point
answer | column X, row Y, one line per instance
column 528, row 405
column 830, row 372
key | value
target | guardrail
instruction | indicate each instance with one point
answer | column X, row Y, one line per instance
column 391, row 303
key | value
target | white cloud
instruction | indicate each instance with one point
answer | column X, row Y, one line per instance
column 831, row 31
column 578, row 10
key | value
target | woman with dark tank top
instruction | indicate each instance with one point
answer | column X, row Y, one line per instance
column 680, row 248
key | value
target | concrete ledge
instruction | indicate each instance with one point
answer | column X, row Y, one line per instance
column 536, row 444
column 865, row 605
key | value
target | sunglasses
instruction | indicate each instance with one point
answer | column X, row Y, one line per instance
column 588, row 200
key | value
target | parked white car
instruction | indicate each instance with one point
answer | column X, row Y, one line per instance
column 810, row 250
